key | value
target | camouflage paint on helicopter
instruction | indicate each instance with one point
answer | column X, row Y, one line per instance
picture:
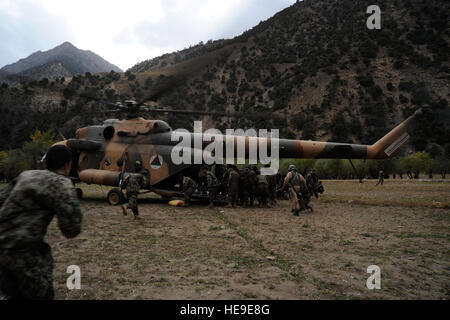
column 101, row 147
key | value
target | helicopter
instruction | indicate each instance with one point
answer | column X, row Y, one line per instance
column 105, row 154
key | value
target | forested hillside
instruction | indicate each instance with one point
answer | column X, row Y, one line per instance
column 314, row 70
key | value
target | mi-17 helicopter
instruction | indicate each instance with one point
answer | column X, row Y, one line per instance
column 104, row 154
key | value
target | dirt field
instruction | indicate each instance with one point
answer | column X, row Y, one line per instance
column 251, row 253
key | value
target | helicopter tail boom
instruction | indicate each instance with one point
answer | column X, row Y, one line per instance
column 387, row 147
column 390, row 144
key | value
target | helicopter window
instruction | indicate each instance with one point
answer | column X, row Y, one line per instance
column 108, row 133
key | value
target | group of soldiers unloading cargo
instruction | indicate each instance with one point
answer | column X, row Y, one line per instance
column 241, row 187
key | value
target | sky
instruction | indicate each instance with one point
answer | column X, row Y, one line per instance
column 124, row 32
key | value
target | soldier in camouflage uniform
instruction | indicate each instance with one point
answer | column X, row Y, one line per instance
column 28, row 205
column 132, row 184
column 262, row 189
column 380, row 177
column 225, row 177
column 213, row 185
column 189, row 186
column 233, row 185
column 248, row 180
column 272, row 181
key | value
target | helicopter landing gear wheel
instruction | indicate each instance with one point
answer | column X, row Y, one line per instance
column 115, row 197
column 79, row 193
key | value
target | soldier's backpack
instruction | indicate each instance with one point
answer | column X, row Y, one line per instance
column 295, row 179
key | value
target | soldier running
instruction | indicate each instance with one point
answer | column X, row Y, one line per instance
column 132, row 184
column 294, row 180
column 28, row 204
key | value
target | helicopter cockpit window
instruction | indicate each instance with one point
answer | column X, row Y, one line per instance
column 160, row 126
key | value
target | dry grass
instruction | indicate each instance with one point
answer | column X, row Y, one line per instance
column 225, row 253
column 406, row 193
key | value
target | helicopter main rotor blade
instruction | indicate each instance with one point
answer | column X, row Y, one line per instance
column 220, row 114
column 163, row 85
column 175, row 75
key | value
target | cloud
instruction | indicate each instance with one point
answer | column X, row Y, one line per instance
column 124, row 32
column 251, row 15
column 25, row 27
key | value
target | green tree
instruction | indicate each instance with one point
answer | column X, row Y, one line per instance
column 46, row 137
column 15, row 161
column 417, row 163
column 441, row 165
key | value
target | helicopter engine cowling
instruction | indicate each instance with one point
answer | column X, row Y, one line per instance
column 102, row 177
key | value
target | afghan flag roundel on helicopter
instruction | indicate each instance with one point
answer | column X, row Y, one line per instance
column 156, row 161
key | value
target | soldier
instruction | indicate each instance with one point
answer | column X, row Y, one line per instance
column 132, row 184
column 380, row 177
column 248, row 180
column 272, row 180
column 279, row 192
column 262, row 189
column 225, row 177
column 294, row 180
column 28, row 205
column 213, row 185
column 189, row 186
column 314, row 177
column 233, row 185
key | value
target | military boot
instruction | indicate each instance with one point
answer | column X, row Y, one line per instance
column 136, row 214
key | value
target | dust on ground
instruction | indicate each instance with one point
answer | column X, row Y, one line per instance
column 264, row 253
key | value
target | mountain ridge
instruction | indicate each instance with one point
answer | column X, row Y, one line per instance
column 65, row 60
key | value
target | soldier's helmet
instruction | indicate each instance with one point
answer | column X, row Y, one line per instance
column 292, row 168
column 138, row 166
